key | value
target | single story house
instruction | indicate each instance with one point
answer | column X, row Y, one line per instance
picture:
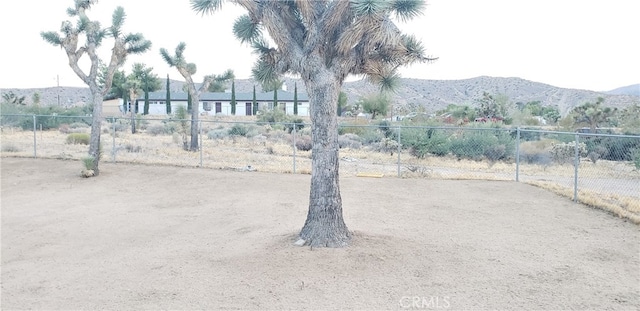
column 220, row 103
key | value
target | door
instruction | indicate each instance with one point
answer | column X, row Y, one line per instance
column 247, row 110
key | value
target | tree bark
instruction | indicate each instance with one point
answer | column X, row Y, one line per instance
column 325, row 225
column 96, row 127
column 195, row 112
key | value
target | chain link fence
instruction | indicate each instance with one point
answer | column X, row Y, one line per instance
column 600, row 170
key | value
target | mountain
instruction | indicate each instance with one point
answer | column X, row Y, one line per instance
column 431, row 95
column 633, row 90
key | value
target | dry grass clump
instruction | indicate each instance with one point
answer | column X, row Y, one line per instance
column 621, row 206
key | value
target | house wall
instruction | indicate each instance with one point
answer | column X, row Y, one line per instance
column 159, row 107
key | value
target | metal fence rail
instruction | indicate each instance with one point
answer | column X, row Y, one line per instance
column 582, row 166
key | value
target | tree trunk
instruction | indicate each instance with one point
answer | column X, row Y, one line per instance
column 132, row 110
column 96, row 127
column 325, row 225
column 195, row 111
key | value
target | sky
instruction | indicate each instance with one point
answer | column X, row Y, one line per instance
column 581, row 44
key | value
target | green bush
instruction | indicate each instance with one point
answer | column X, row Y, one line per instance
column 239, row 130
column 78, row 138
column 485, row 144
column 217, row 134
column 422, row 142
column 299, row 125
column 156, row 130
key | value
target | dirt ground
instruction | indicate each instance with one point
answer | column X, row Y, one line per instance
column 148, row 237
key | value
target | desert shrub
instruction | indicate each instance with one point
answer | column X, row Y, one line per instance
column 272, row 116
column 78, row 125
column 132, row 148
column 476, row 145
column 217, row 134
column 64, row 128
column 424, row 141
column 78, row 138
column 156, row 130
column 565, row 152
column 349, row 141
column 10, row 148
column 170, row 127
column 371, row 136
column 299, row 124
column 386, row 145
column 385, row 128
column 619, row 148
column 303, row 143
column 536, row 152
column 636, row 158
column 239, row 130
column 595, row 153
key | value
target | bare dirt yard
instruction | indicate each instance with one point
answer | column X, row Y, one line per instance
column 158, row 237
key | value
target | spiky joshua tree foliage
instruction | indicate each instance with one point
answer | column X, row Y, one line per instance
column 323, row 42
column 85, row 37
column 187, row 70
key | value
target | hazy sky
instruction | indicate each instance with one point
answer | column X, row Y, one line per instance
column 583, row 44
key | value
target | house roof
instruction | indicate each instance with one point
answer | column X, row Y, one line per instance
column 283, row 96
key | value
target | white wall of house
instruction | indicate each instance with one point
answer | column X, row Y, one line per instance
column 160, row 108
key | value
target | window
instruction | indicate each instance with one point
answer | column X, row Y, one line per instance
column 206, row 106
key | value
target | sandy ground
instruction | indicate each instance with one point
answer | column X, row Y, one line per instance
column 145, row 237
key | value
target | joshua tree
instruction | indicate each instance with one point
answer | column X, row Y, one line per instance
column 85, row 37
column 323, row 42
column 187, row 70
column 593, row 114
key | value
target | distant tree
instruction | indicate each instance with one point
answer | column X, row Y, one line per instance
column 493, row 106
column 551, row 114
column 295, row 98
column 187, row 70
column 94, row 35
column 377, row 104
column 342, row 102
column 150, row 82
column 168, row 98
column 233, row 98
column 35, row 98
column 323, row 42
column 219, row 83
column 134, row 85
column 275, row 99
column 255, row 102
column 13, row 99
column 593, row 114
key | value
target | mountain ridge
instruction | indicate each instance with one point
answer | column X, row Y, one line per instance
column 412, row 94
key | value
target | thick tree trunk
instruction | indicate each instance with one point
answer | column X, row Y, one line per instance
column 96, row 127
column 132, row 110
column 325, row 225
column 195, row 111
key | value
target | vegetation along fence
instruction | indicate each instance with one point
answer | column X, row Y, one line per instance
column 596, row 169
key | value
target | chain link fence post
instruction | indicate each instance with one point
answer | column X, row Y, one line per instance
column 518, row 154
column 201, row 140
column 113, row 134
column 294, row 147
column 576, row 163
column 399, row 147
column 35, row 142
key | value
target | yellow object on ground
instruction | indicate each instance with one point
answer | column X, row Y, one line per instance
column 376, row 175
